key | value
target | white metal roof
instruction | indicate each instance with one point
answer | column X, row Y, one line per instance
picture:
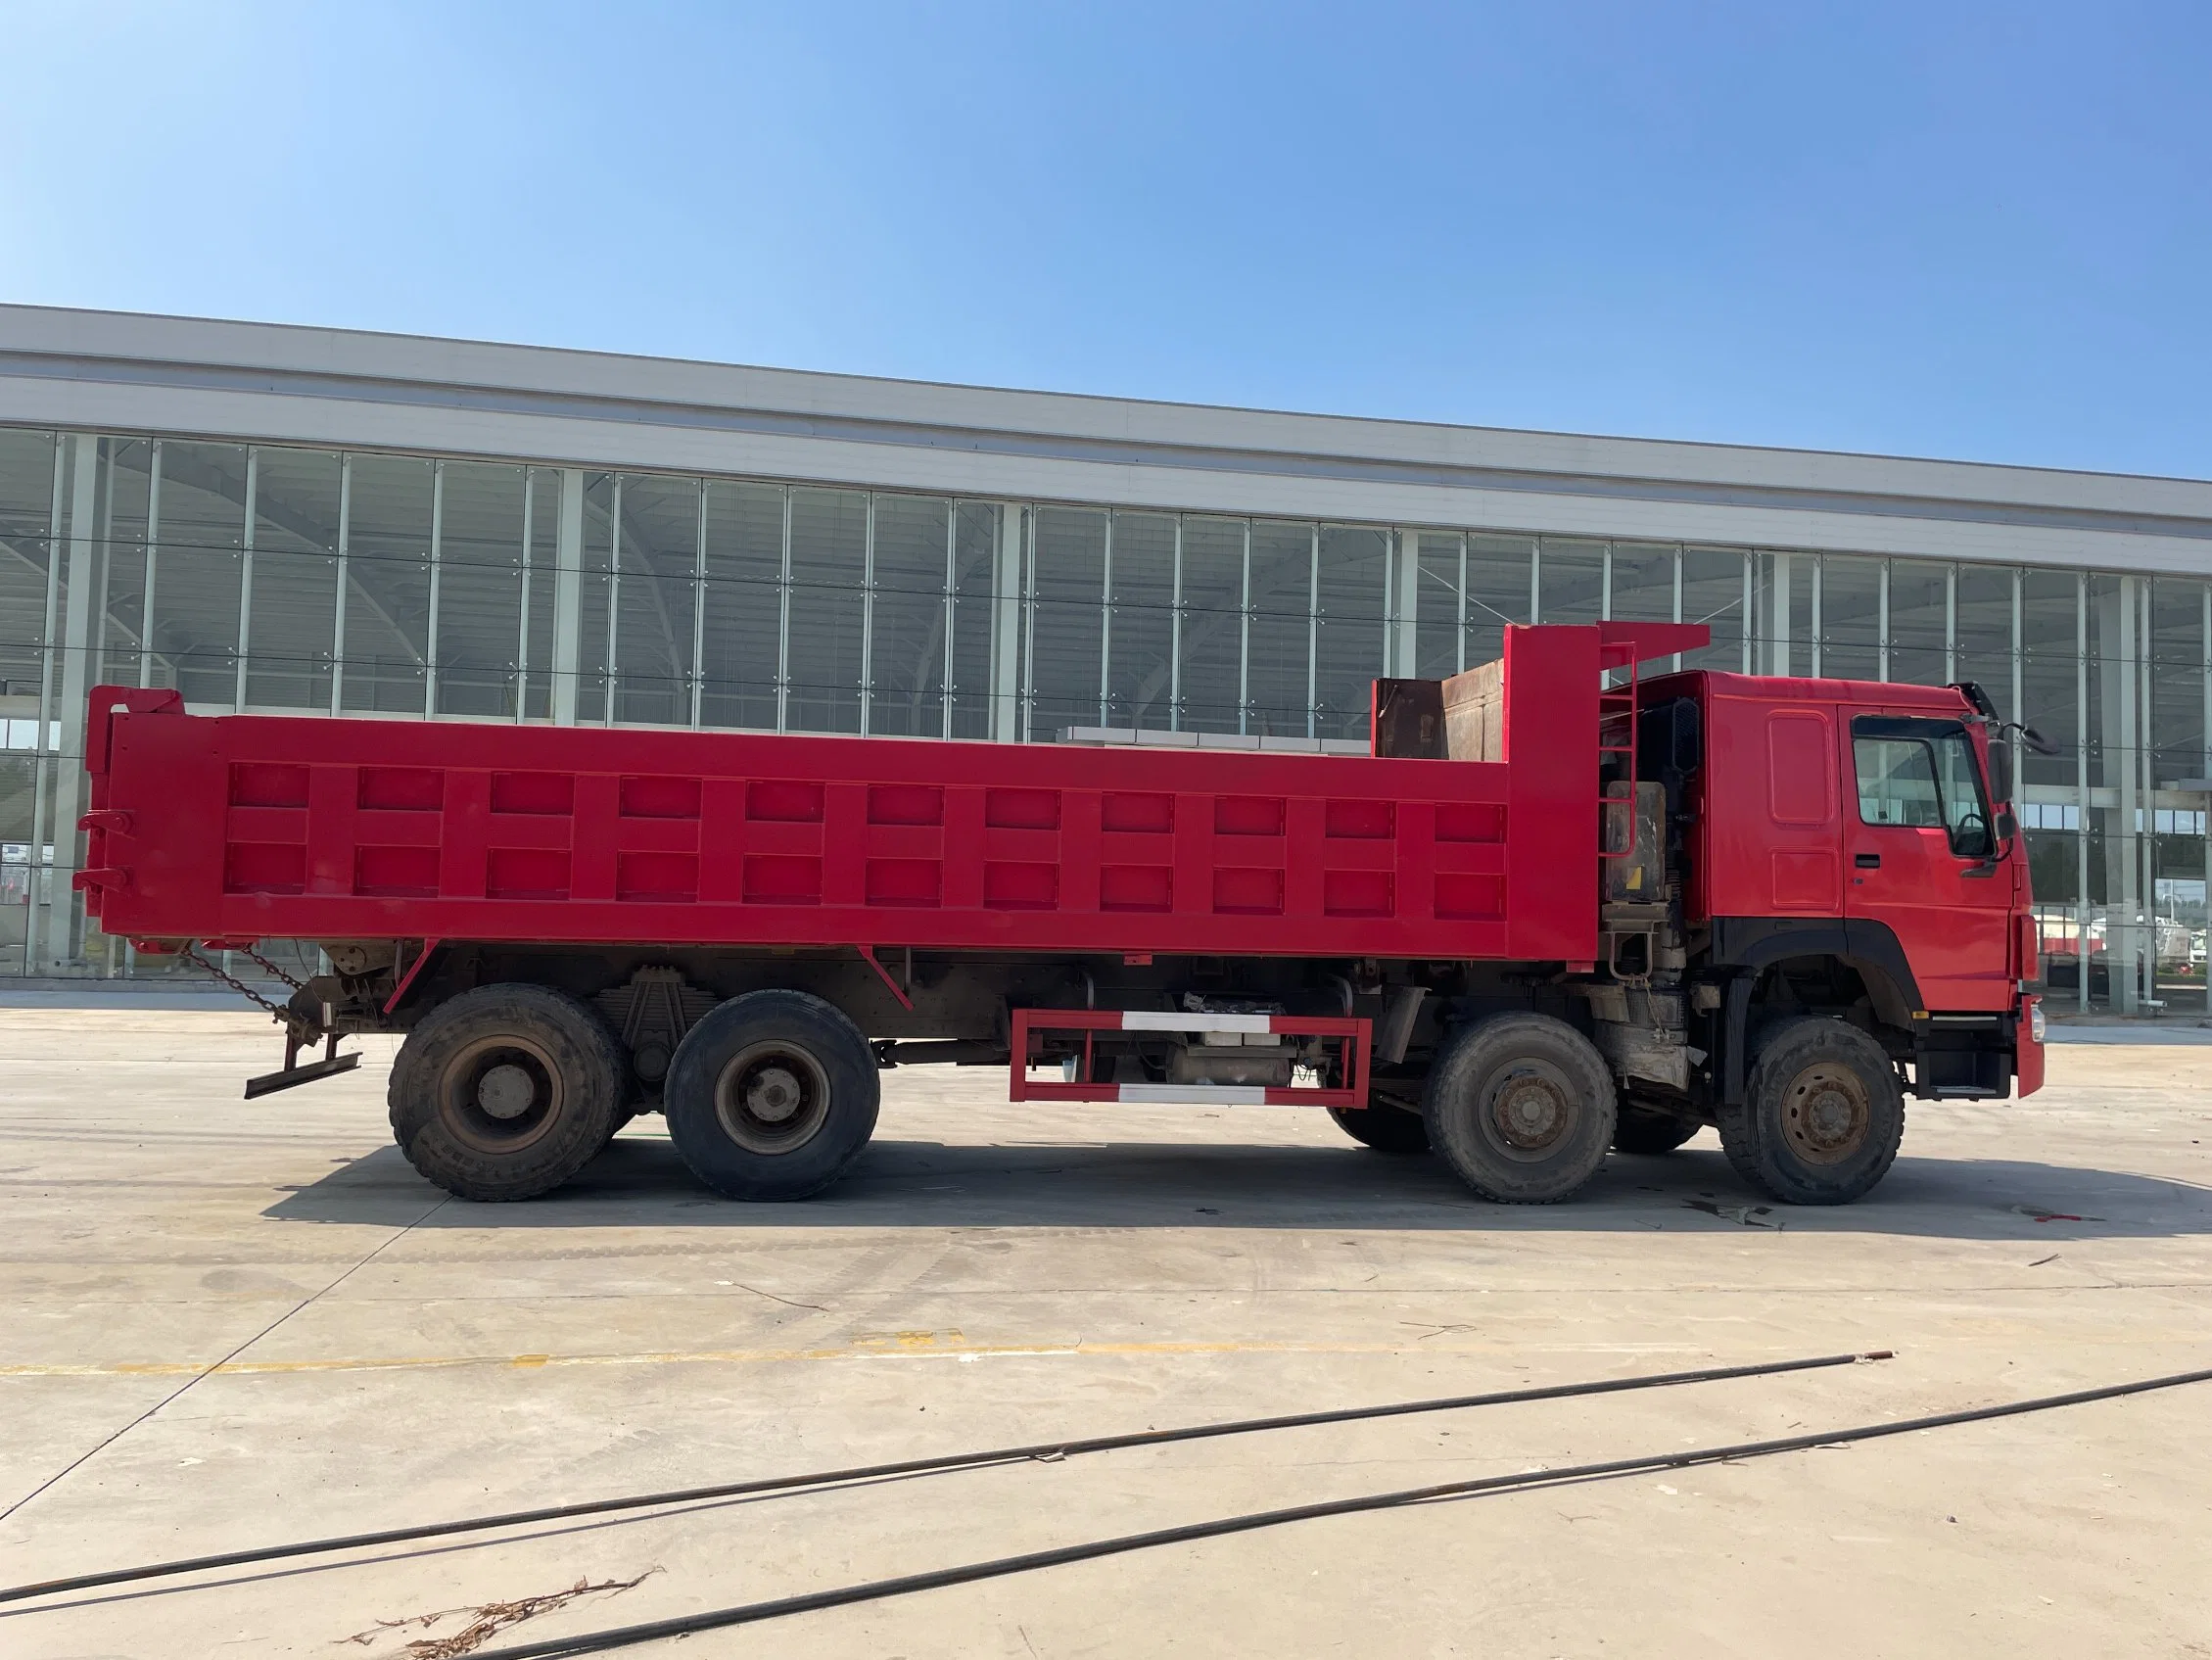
column 119, row 372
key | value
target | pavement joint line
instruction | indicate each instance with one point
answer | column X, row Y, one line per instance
column 108, row 1441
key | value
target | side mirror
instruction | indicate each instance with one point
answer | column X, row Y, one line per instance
column 2008, row 826
column 2000, row 772
column 2036, row 741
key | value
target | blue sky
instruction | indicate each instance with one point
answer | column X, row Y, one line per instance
column 1982, row 232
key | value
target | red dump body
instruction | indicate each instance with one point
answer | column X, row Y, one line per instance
column 250, row 826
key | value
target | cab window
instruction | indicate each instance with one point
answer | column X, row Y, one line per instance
column 1921, row 774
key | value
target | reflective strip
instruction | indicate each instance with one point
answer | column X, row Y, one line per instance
column 1152, row 1020
column 1196, row 1094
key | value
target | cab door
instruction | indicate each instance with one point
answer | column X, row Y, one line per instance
column 1922, row 858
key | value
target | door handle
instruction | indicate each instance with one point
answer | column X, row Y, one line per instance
column 1867, row 861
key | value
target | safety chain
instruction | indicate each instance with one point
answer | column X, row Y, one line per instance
column 238, row 985
column 274, row 969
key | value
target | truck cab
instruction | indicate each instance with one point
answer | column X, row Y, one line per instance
column 1839, row 851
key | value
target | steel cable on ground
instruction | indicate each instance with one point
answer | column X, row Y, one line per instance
column 871, row 1590
column 944, row 1463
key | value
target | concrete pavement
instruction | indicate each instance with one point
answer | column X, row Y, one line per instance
column 231, row 1323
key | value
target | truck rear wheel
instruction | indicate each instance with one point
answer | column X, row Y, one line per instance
column 772, row 1095
column 1821, row 1116
column 1386, row 1129
column 506, row 1092
column 1522, row 1104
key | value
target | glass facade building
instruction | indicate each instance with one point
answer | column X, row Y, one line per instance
column 260, row 571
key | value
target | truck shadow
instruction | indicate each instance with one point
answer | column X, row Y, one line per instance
column 639, row 1182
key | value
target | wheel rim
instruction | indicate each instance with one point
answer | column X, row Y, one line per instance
column 1528, row 1110
column 1825, row 1113
column 771, row 1098
column 501, row 1094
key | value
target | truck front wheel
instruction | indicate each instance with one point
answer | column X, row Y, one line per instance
column 1821, row 1116
column 1522, row 1104
column 771, row 1096
column 506, row 1092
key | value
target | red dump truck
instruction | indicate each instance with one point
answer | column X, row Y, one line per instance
column 1559, row 909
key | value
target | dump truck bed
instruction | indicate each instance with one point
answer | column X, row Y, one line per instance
column 250, row 826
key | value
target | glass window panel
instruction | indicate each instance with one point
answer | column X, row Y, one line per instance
column 829, row 570
column 1139, row 618
column 387, row 581
column 1066, row 620
column 27, row 503
column 18, row 776
column 2053, row 867
column 1572, row 585
column 742, row 598
column 654, row 599
column 594, row 599
column 1982, row 649
column 1212, row 632
column 976, row 634
column 1643, row 581
column 1919, row 621
column 2108, row 724
column 907, row 645
column 479, row 590
column 1712, row 593
column 1282, row 576
column 125, row 481
column 2050, row 608
column 289, row 631
column 1355, row 570
column 1438, row 639
column 2176, row 680
column 1497, row 593
column 1783, row 620
column 1851, row 617
column 2178, row 907
column 544, row 521
column 195, row 625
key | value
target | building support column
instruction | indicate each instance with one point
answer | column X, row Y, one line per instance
column 1408, row 631
column 81, row 613
column 1175, row 637
column 1313, row 638
column 521, row 626
column 568, row 596
column 699, row 613
column 1459, row 608
column 1244, row 637
column 2080, row 787
column 338, row 615
column 42, row 741
column 1005, row 626
column 1105, row 629
column 2118, row 728
column 146, row 604
column 245, row 577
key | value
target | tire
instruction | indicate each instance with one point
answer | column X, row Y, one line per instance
column 1645, row 1129
column 1522, row 1105
column 1821, row 1116
column 506, row 1092
column 1386, row 1129
column 772, row 1095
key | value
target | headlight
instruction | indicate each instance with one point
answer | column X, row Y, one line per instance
column 2037, row 1025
